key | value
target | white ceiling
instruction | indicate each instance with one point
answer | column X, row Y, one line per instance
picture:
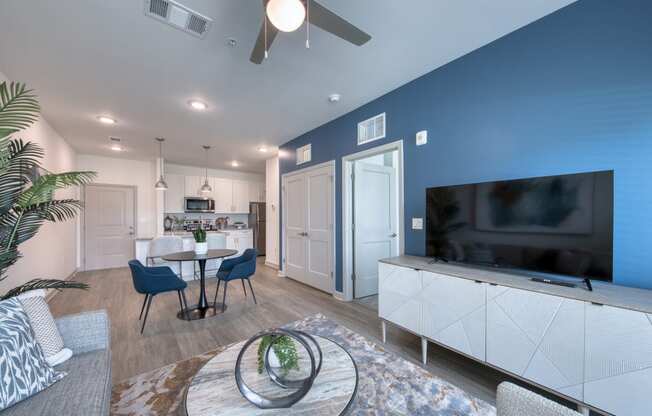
column 92, row 57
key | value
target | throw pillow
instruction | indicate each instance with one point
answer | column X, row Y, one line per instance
column 44, row 327
column 23, row 368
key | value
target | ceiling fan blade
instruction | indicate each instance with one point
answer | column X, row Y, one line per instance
column 258, row 54
column 330, row 22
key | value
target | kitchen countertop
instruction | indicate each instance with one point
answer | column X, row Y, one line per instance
column 188, row 234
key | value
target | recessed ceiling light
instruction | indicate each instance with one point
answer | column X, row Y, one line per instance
column 106, row 120
column 115, row 144
column 262, row 149
column 235, row 164
column 232, row 42
column 333, row 98
column 198, row 105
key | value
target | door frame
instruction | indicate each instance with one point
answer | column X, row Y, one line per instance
column 82, row 233
column 330, row 164
column 347, row 209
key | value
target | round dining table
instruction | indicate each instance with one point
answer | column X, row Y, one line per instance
column 203, row 307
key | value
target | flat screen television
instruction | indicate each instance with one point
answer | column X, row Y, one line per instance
column 553, row 225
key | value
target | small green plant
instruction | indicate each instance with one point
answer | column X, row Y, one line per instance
column 200, row 235
column 285, row 350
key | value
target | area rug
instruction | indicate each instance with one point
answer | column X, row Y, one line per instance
column 388, row 384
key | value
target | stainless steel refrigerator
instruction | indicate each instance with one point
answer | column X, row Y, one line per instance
column 257, row 223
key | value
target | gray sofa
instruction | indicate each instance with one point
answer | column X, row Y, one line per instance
column 86, row 390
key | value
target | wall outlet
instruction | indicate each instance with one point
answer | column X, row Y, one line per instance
column 417, row 223
column 422, row 137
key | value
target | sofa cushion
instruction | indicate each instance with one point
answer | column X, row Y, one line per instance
column 45, row 329
column 85, row 391
column 23, row 369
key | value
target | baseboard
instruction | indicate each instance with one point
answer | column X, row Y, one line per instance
column 52, row 292
column 271, row 265
column 281, row 273
column 339, row 296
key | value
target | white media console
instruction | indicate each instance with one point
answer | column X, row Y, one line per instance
column 594, row 348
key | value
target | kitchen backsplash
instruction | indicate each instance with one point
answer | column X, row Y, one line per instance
column 233, row 218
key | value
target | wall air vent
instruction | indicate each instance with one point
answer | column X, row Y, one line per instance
column 179, row 16
column 371, row 129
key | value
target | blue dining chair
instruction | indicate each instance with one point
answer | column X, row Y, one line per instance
column 241, row 268
column 151, row 281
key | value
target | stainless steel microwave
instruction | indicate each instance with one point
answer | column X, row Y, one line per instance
column 199, row 205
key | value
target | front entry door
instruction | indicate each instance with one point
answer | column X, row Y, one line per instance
column 308, row 227
column 375, row 217
column 109, row 226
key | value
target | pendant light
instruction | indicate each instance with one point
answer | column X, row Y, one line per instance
column 161, row 185
column 206, row 188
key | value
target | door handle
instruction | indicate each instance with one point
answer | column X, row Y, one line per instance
column 393, row 235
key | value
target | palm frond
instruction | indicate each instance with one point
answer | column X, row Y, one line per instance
column 17, row 171
column 44, row 284
column 43, row 188
column 19, row 108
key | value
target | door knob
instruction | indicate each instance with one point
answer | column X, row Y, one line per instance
column 393, row 235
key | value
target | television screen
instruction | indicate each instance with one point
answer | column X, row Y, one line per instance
column 560, row 225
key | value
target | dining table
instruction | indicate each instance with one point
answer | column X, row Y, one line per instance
column 203, row 307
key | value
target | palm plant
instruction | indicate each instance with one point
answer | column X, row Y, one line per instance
column 27, row 190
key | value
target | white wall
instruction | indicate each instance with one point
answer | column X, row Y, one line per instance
column 218, row 173
column 52, row 253
column 138, row 173
column 272, row 195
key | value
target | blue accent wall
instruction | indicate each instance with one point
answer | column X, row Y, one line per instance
column 569, row 93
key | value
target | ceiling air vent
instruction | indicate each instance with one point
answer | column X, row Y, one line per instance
column 371, row 129
column 179, row 16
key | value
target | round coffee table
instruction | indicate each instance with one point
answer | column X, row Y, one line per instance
column 213, row 391
column 200, row 311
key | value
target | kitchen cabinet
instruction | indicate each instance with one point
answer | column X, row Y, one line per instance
column 240, row 197
column 192, row 185
column 239, row 240
column 174, row 203
column 223, row 195
column 256, row 192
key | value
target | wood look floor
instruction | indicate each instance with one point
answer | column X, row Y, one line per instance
column 280, row 300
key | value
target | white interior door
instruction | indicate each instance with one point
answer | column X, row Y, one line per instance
column 375, row 212
column 308, row 227
column 109, row 226
column 295, row 223
column 319, row 226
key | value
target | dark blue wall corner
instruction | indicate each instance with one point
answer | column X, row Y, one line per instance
column 569, row 93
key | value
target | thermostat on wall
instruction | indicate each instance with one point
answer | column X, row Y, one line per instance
column 422, row 137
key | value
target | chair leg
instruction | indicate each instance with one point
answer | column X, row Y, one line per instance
column 252, row 291
column 143, row 308
column 149, row 303
column 243, row 287
column 226, row 285
column 216, row 292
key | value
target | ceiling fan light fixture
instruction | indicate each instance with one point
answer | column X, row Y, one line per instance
column 286, row 15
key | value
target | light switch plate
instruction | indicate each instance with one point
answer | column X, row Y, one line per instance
column 417, row 223
column 422, row 137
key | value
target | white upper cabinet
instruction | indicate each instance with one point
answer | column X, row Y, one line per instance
column 240, row 197
column 223, row 195
column 174, row 203
column 193, row 183
column 256, row 192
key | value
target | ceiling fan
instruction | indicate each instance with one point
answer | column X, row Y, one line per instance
column 289, row 15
